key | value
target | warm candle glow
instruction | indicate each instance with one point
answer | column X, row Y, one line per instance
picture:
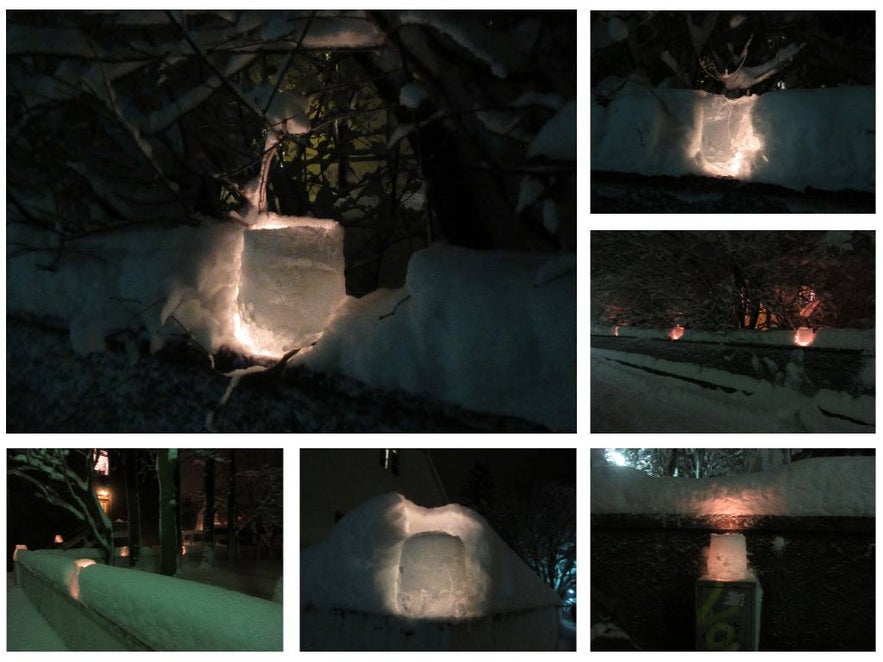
column 804, row 336
column 676, row 332
column 727, row 557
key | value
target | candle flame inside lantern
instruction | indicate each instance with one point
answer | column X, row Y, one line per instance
column 676, row 332
column 727, row 557
column 804, row 336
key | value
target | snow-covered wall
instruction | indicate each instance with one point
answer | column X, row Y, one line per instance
column 442, row 573
column 98, row 607
column 854, row 339
column 823, row 487
column 819, row 138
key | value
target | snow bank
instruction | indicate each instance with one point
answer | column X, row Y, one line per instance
column 637, row 400
column 163, row 280
column 820, row 138
column 173, row 614
column 390, row 556
column 160, row 613
column 492, row 331
column 832, row 487
column 395, row 576
column 856, row 339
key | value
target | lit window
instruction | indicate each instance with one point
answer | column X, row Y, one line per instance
column 100, row 463
column 389, row 459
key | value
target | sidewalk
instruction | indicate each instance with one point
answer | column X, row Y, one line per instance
column 25, row 628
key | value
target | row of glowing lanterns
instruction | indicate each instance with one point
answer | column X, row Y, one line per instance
column 803, row 337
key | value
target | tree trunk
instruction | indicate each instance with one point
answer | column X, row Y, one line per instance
column 166, row 463
column 208, row 518
column 133, row 506
column 231, row 511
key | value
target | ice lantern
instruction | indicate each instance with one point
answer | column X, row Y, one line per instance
column 727, row 557
column 728, row 145
column 291, row 280
column 676, row 332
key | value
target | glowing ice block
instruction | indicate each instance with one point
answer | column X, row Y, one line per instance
column 432, row 576
column 292, row 279
column 727, row 557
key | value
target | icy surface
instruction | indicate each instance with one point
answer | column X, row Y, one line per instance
column 834, row 487
column 173, row 614
column 491, row 331
column 820, row 138
column 390, row 556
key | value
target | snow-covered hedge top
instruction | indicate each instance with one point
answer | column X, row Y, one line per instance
column 174, row 614
column 837, row 486
column 858, row 339
column 358, row 565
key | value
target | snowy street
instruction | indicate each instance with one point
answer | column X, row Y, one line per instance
column 635, row 392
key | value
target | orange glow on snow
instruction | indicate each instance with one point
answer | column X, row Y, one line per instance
column 725, row 143
column 676, row 332
column 74, row 584
column 804, row 336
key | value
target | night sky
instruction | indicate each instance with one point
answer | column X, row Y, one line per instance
column 512, row 469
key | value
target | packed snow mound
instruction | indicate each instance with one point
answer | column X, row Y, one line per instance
column 819, row 138
column 491, row 331
column 390, row 556
column 828, row 487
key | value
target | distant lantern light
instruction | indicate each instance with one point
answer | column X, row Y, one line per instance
column 727, row 557
column 18, row 548
column 58, row 539
column 615, row 330
column 124, row 551
column 804, row 336
column 676, row 332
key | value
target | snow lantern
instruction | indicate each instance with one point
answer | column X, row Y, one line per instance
column 432, row 576
column 291, row 281
column 616, row 331
column 18, row 548
column 58, row 539
column 74, row 581
column 727, row 143
column 727, row 557
column 676, row 332
column 804, row 336
column 124, row 551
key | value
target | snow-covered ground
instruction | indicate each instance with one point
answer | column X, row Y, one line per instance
column 827, row 487
column 818, row 138
column 26, row 630
column 630, row 398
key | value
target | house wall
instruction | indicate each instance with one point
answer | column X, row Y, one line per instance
column 335, row 481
